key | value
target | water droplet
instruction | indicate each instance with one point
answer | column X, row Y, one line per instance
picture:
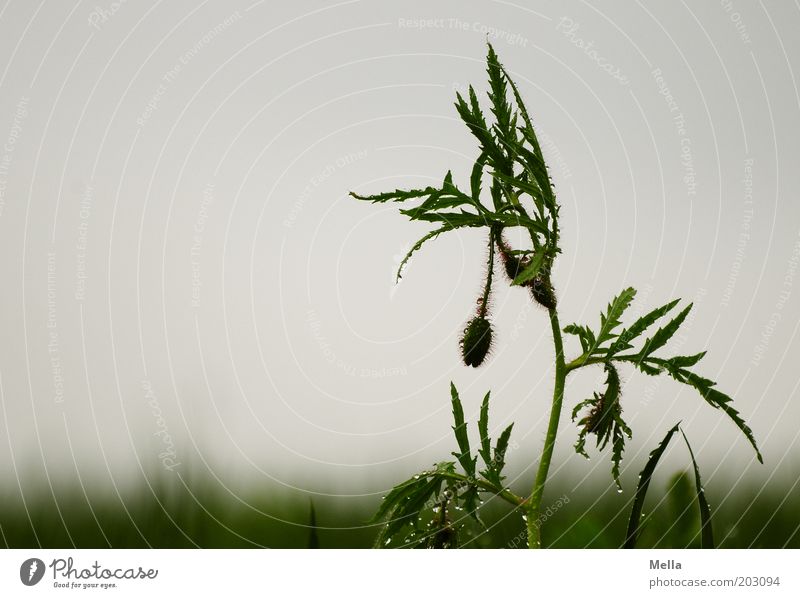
column 619, row 490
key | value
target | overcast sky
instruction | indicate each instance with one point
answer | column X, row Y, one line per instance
column 187, row 287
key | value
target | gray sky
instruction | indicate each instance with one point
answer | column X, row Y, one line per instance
column 187, row 286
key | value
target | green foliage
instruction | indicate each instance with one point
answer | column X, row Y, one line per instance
column 706, row 530
column 419, row 512
column 635, row 520
column 607, row 348
column 511, row 155
column 604, row 420
column 313, row 535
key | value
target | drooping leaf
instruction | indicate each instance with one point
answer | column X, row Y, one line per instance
column 604, row 420
column 706, row 531
column 584, row 334
column 718, row 400
column 641, row 489
column 418, row 245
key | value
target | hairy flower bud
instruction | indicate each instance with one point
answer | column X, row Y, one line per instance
column 476, row 341
column 542, row 291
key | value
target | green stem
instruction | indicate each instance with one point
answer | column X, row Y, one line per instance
column 487, row 287
column 533, row 510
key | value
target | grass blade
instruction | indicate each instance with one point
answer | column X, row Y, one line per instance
column 706, row 531
column 313, row 536
column 641, row 489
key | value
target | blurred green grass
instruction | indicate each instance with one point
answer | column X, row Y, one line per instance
column 173, row 514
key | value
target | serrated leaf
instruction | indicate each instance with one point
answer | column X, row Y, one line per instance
column 685, row 361
column 407, row 511
column 526, row 187
column 473, row 117
column 718, row 400
column 584, row 334
column 662, row 335
column 452, row 219
column 611, row 318
column 460, row 431
column 639, row 326
column 648, row 368
column 483, row 430
column 706, row 531
column 476, row 176
column 418, row 245
column 395, row 496
column 500, row 106
column 396, row 195
column 499, row 460
column 641, row 489
column 604, row 420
